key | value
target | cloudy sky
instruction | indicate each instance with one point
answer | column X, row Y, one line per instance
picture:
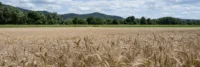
column 149, row 8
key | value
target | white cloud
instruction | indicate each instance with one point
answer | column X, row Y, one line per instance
column 124, row 8
column 84, row 8
column 185, row 12
column 53, row 7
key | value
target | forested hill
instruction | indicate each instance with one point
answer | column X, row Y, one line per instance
column 84, row 16
column 72, row 15
column 24, row 10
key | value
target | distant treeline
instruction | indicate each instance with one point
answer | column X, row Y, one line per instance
column 11, row 15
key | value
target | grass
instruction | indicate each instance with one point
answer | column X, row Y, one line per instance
column 99, row 47
column 28, row 26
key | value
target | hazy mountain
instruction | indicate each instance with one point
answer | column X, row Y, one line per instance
column 84, row 16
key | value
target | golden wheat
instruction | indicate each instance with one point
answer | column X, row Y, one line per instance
column 99, row 47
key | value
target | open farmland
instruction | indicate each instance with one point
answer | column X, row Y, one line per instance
column 99, row 47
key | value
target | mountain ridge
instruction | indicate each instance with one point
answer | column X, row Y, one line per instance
column 94, row 14
column 72, row 15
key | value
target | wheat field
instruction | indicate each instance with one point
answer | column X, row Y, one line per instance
column 99, row 47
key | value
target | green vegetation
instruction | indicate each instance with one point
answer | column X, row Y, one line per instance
column 121, row 26
column 15, row 16
column 85, row 16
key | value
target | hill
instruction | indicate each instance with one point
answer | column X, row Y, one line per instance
column 72, row 15
column 84, row 16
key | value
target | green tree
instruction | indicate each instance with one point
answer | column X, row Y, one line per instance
column 68, row 22
column 2, row 19
column 137, row 21
column 108, row 21
column 36, row 18
column 54, row 18
column 143, row 21
column 38, row 22
column 57, row 18
column 75, row 20
column 99, row 21
column 91, row 20
column 130, row 20
column 10, row 15
column 116, row 21
column 184, row 22
column 24, row 19
column 18, row 17
column 154, row 21
column 0, row 4
column 190, row 22
column 81, row 21
column 7, row 15
column 122, row 21
column 149, row 21
column 167, row 20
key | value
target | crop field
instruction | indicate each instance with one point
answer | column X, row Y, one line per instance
column 99, row 47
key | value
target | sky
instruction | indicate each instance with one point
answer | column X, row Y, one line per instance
column 185, row 9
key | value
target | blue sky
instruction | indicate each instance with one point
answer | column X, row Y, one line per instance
column 189, row 9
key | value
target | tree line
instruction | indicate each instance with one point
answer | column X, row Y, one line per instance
column 11, row 15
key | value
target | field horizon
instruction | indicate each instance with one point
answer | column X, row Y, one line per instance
column 107, row 26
